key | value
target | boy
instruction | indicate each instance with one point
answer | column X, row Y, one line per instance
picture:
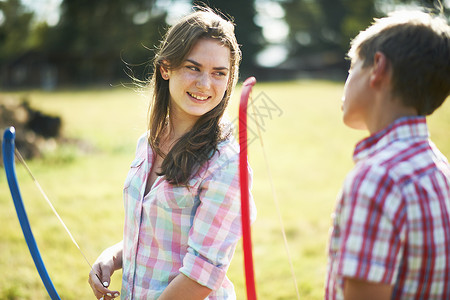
column 391, row 227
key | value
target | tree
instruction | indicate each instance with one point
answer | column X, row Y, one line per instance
column 248, row 34
column 14, row 29
column 434, row 6
column 97, row 38
column 326, row 24
column 329, row 25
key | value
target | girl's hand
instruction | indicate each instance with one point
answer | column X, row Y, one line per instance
column 103, row 268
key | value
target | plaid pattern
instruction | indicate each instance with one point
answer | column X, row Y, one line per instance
column 392, row 221
column 177, row 229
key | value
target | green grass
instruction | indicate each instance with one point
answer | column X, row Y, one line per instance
column 309, row 152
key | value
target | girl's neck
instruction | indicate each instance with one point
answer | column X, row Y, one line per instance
column 177, row 127
column 175, row 130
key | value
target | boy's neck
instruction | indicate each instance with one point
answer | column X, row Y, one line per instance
column 386, row 112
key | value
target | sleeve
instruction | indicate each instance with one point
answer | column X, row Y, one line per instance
column 371, row 221
column 216, row 227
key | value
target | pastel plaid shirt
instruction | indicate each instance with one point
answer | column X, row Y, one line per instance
column 175, row 229
column 392, row 221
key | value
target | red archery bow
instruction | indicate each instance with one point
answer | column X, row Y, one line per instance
column 245, row 205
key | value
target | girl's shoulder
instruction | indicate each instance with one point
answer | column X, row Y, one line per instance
column 143, row 145
column 227, row 149
column 226, row 157
column 143, row 139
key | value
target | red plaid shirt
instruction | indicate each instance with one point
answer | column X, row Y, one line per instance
column 392, row 221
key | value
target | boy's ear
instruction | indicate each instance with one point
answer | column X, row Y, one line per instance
column 380, row 69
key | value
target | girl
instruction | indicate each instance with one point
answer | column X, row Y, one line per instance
column 181, row 195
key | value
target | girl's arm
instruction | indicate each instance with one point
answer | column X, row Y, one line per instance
column 109, row 261
column 182, row 287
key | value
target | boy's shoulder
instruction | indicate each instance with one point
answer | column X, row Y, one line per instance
column 399, row 149
column 402, row 162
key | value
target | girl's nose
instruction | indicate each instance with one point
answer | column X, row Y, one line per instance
column 203, row 81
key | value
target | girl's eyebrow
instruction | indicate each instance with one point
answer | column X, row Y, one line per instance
column 199, row 64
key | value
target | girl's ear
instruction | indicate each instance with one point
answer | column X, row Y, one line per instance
column 164, row 71
column 380, row 69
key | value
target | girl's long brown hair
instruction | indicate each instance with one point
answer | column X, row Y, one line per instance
column 195, row 147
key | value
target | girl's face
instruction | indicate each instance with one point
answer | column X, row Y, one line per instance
column 199, row 84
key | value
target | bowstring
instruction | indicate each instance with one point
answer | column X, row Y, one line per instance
column 275, row 198
column 22, row 161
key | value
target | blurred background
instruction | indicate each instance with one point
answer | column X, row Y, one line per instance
column 65, row 85
column 59, row 43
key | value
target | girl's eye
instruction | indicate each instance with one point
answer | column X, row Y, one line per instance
column 220, row 74
column 193, row 68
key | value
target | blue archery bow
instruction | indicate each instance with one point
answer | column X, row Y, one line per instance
column 8, row 161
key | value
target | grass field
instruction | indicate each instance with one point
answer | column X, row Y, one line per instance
column 309, row 152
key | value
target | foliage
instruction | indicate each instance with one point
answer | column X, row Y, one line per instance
column 14, row 30
column 248, row 34
column 97, row 34
column 94, row 42
column 329, row 25
column 326, row 24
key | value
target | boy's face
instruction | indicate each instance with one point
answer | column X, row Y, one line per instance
column 357, row 96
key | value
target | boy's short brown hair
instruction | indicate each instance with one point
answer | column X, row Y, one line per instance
column 417, row 46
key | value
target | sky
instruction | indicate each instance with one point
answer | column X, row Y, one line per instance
column 45, row 10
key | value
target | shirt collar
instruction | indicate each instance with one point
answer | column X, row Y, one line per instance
column 402, row 128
